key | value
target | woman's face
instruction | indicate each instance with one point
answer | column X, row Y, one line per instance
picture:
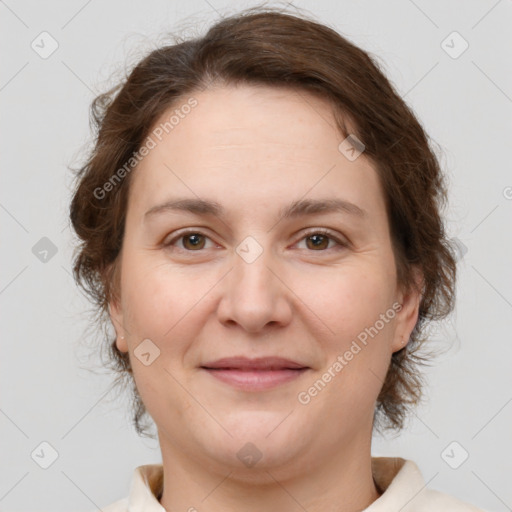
column 256, row 277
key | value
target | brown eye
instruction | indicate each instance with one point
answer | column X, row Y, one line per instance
column 190, row 241
column 318, row 241
column 193, row 241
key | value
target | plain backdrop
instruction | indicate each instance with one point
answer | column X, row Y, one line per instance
column 463, row 97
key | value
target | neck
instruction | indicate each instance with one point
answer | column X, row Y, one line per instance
column 343, row 483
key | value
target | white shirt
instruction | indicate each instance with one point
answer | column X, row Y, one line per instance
column 399, row 480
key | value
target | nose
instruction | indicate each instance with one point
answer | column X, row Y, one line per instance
column 255, row 295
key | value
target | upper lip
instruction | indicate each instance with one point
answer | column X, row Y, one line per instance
column 260, row 363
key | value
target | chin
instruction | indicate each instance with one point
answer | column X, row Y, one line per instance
column 257, row 440
column 265, row 426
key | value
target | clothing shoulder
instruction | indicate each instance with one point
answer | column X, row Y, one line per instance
column 405, row 490
column 117, row 506
column 440, row 502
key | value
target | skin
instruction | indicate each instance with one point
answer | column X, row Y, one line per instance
column 254, row 150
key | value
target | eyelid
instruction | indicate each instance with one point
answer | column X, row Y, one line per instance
column 187, row 231
column 340, row 241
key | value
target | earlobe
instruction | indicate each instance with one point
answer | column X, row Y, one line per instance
column 121, row 344
column 116, row 319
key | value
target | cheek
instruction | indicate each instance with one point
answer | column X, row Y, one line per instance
column 158, row 305
column 356, row 306
column 155, row 296
column 347, row 299
column 161, row 305
column 167, row 305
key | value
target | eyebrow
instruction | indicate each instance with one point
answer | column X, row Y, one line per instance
column 301, row 207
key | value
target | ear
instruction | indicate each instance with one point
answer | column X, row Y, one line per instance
column 115, row 309
column 407, row 315
column 116, row 317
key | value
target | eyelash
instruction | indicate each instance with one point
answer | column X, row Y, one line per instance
column 318, row 231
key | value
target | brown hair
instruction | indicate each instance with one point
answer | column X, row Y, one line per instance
column 270, row 47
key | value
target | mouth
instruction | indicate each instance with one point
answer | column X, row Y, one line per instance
column 255, row 374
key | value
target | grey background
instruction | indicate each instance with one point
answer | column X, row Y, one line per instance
column 465, row 103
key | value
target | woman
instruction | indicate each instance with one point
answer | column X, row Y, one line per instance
column 260, row 219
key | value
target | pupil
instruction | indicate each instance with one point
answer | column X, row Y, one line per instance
column 317, row 240
column 194, row 239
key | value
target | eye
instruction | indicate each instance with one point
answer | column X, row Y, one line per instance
column 192, row 241
column 319, row 240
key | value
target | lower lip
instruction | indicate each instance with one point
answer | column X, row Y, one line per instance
column 256, row 380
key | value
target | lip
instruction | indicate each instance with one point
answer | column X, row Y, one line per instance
column 255, row 380
column 254, row 374
column 259, row 363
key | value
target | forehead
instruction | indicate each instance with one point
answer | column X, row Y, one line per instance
column 254, row 115
column 254, row 143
